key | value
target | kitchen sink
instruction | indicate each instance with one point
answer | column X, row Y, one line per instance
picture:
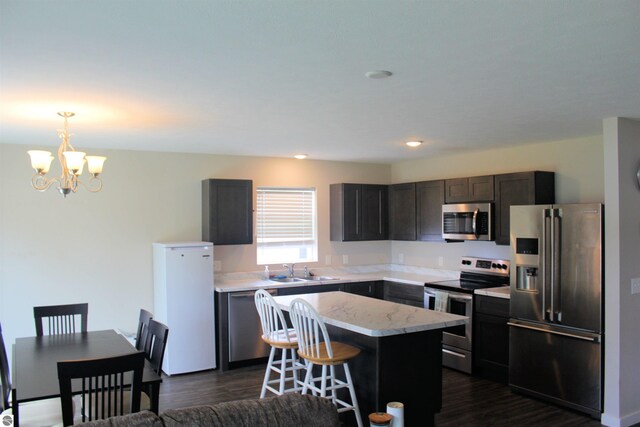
column 287, row 279
column 302, row 279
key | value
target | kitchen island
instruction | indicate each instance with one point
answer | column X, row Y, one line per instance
column 401, row 358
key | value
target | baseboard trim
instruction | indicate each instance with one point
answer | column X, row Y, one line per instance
column 626, row 421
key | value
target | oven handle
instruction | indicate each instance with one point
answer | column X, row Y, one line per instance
column 453, row 353
column 452, row 296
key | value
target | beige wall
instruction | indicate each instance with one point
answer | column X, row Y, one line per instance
column 577, row 163
column 622, row 242
column 97, row 247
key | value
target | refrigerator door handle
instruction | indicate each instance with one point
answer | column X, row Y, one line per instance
column 590, row 337
column 556, row 307
column 545, row 249
column 552, row 258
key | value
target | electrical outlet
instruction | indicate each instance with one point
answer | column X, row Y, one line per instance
column 345, row 259
column 635, row 286
column 327, row 259
column 440, row 261
column 217, row 265
column 400, row 258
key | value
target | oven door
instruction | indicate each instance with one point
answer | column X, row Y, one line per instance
column 461, row 304
column 456, row 341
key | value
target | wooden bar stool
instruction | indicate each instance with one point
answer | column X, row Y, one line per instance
column 279, row 337
column 316, row 348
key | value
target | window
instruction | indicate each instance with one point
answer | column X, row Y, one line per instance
column 286, row 225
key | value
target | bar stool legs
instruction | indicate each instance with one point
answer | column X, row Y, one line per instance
column 329, row 384
column 286, row 368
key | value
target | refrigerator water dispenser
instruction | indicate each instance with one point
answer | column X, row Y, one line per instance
column 526, row 278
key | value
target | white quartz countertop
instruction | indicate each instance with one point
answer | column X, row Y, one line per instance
column 251, row 283
column 373, row 317
column 499, row 292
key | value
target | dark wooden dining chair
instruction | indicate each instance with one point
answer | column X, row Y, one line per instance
column 156, row 344
column 61, row 319
column 37, row 413
column 110, row 386
column 143, row 326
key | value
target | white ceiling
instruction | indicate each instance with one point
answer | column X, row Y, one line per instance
column 276, row 78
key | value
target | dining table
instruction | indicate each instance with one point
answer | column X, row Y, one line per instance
column 401, row 350
column 35, row 364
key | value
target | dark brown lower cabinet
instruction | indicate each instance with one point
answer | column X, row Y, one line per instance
column 403, row 293
column 367, row 289
column 491, row 338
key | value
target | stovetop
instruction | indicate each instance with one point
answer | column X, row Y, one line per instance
column 477, row 273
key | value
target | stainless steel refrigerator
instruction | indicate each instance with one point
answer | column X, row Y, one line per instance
column 556, row 328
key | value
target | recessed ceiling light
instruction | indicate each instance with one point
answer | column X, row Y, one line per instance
column 300, row 156
column 378, row 74
column 414, row 144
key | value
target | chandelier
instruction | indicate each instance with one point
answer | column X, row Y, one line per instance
column 72, row 163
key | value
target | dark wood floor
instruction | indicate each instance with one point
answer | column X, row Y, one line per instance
column 466, row 401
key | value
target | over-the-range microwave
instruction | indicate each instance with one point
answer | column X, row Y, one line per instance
column 467, row 221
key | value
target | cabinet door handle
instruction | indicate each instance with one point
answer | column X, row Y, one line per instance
column 357, row 211
column 380, row 212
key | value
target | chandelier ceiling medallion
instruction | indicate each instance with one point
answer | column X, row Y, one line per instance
column 72, row 163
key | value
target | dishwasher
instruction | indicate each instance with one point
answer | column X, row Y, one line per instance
column 245, row 330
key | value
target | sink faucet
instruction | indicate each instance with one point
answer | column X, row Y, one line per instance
column 289, row 268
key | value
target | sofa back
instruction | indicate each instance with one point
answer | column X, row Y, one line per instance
column 291, row 409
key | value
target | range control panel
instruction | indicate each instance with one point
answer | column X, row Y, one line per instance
column 500, row 267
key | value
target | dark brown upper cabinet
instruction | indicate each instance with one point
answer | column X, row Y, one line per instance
column 227, row 211
column 473, row 189
column 429, row 201
column 402, row 211
column 523, row 188
column 358, row 212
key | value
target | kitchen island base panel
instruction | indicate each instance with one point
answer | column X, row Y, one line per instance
column 398, row 368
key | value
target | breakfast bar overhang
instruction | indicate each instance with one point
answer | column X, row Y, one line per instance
column 401, row 358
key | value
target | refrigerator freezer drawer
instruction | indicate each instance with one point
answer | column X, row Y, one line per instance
column 556, row 364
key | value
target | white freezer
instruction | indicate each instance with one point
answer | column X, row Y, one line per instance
column 184, row 301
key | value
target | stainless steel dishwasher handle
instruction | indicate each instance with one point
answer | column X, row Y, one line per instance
column 249, row 294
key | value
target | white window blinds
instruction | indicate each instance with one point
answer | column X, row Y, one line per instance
column 286, row 225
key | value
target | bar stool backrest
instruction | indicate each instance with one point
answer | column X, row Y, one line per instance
column 274, row 326
column 310, row 329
